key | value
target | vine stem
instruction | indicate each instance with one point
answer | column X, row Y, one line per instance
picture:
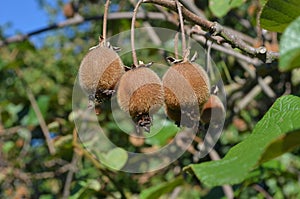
column 134, row 57
column 105, row 20
column 215, row 28
column 183, row 42
column 37, row 112
column 176, row 45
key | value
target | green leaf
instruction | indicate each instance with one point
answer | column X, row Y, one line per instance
column 7, row 146
column 87, row 189
column 282, row 117
column 281, row 145
column 263, row 2
column 290, row 47
column 13, row 111
column 46, row 196
column 115, row 158
column 159, row 190
column 91, row 184
column 277, row 14
column 221, row 8
column 161, row 138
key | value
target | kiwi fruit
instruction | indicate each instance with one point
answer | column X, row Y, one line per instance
column 140, row 93
column 186, row 90
column 213, row 110
column 99, row 72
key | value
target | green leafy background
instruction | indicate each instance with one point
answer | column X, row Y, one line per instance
column 244, row 157
column 259, row 146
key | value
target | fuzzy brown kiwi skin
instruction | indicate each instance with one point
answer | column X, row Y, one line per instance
column 213, row 110
column 179, row 99
column 140, row 93
column 99, row 72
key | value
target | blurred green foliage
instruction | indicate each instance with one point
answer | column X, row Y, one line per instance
column 49, row 69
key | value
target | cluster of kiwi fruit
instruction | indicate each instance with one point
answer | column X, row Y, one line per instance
column 141, row 93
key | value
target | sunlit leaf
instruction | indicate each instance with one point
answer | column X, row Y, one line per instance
column 290, row 47
column 115, row 158
column 13, row 111
column 282, row 118
column 87, row 189
column 221, row 8
column 7, row 146
column 160, row 189
column 91, row 184
column 163, row 135
column 277, row 14
column 281, row 145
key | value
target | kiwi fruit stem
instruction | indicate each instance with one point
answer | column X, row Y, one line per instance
column 134, row 57
column 178, row 4
column 105, row 20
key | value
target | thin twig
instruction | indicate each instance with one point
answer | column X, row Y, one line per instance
column 183, row 42
column 151, row 32
column 239, row 34
column 176, row 45
column 251, row 95
column 209, row 69
column 66, row 192
column 51, row 174
column 17, row 174
column 262, row 190
column 230, row 36
column 105, row 20
column 134, row 57
column 191, row 5
column 169, row 16
column 229, row 51
column 266, row 88
column 250, row 70
column 175, row 193
column 78, row 20
column 10, row 131
column 216, row 29
column 38, row 113
column 185, row 12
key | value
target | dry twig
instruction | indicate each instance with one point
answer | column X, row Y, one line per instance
column 251, row 95
column 38, row 113
column 134, row 57
column 215, row 28
column 183, row 42
column 66, row 192
column 105, row 20
column 79, row 19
